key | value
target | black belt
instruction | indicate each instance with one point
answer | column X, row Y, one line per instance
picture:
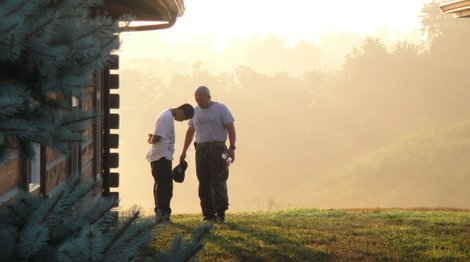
column 210, row 144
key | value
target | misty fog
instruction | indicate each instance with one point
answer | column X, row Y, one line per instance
column 356, row 121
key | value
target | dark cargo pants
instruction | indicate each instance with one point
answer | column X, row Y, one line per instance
column 163, row 185
column 212, row 173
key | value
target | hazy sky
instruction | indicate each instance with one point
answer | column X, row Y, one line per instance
column 294, row 19
column 224, row 20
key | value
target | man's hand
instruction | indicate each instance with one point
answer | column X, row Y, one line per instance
column 231, row 153
column 153, row 139
column 182, row 156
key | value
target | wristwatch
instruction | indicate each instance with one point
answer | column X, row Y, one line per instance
column 232, row 147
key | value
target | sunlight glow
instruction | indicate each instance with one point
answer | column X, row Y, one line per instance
column 282, row 39
column 296, row 19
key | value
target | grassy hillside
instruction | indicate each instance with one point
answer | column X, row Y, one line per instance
column 426, row 169
column 332, row 235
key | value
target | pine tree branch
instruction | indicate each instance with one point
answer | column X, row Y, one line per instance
column 8, row 30
column 15, row 10
column 65, row 5
column 23, row 209
column 92, row 217
column 33, row 239
column 87, row 246
column 13, row 129
column 8, row 235
column 182, row 250
column 133, row 239
column 50, row 208
column 7, row 154
column 53, row 202
column 17, row 128
column 43, row 54
column 74, row 118
column 126, row 224
column 73, row 197
column 40, row 27
column 110, row 42
column 57, row 220
column 10, row 105
column 97, row 28
column 11, row 87
column 40, row 51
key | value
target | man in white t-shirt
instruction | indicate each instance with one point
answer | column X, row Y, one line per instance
column 160, row 156
column 212, row 124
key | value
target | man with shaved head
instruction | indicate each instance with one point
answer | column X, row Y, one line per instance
column 212, row 124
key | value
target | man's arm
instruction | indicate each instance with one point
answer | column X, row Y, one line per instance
column 153, row 139
column 232, row 137
column 187, row 141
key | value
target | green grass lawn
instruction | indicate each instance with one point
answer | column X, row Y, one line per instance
column 331, row 235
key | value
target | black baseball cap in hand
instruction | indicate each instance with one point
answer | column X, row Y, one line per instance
column 178, row 171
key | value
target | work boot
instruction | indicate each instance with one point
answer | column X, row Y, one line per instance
column 166, row 217
column 221, row 217
column 159, row 217
column 210, row 219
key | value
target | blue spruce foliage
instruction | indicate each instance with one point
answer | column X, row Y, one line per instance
column 72, row 225
column 49, row 49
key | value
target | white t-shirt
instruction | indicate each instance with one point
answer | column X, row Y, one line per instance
column 165, row 129
column 210, row 123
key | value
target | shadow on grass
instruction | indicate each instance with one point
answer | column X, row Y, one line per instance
column 245, row 243
column 387, row 236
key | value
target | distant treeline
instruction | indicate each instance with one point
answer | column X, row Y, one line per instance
column 292, row 129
